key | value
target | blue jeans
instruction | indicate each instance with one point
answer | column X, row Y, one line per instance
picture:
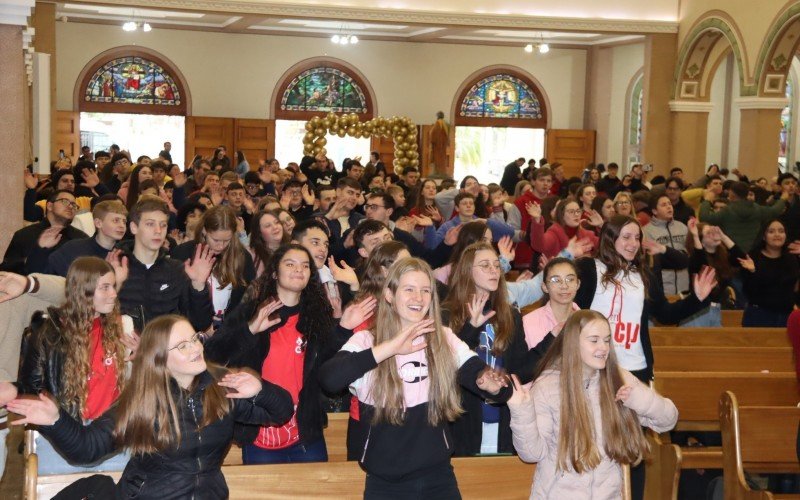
column 758, row 316
column 310, row 452
column 709, row 317
column 51, row 462
column 439, row 483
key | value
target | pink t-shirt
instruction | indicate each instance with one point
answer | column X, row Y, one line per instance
column 413, row 368
column 537, row 324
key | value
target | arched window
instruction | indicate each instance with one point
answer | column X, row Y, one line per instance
column 317, row 87
column 786, row 128
column 500, row 115
column 635, row 121
column 132, row 82
column 502, row 99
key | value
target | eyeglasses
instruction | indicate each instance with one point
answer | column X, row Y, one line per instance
column 489, row 266
column 67, row 203
column 573, row 211
column 185, row 347
column 622, row 203
column 569, row 281
column 372, row 206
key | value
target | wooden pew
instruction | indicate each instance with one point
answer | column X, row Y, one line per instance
column 732, row 317
column 723, row 359
column 718, row 337
column 758, row 439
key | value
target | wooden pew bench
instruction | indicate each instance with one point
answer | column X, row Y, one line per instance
column 756, row 439
column 718, row 337
column 723, row 359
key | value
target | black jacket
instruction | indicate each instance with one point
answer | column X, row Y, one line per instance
column 518, row 360
column 185, row 251
column 24, row 256
column 656, row 305
column 42, row 359
column 234, row 345
column 59, row 260
column 192, row 470
column 162, row 289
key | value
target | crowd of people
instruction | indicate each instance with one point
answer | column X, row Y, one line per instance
column 178, row 310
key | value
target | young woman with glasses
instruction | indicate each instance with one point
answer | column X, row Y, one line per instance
column 567, row 225
column 560, row 284
column 477, row 309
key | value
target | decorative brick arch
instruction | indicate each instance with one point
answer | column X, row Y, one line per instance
column 777, row 52
column 180, row 105
column 460, row 115
column 348, row 75
column 711, row 37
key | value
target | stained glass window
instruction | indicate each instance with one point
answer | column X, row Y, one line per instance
column 501, row 96
column 132, row 80
column 636, row 121
column 324, row 89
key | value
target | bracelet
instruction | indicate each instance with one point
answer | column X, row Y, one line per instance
column 33, row 285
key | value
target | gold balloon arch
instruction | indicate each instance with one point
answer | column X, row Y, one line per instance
column 400, row 128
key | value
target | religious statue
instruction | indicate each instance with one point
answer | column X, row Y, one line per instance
column 440, row 140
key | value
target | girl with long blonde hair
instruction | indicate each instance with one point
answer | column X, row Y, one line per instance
column 76, row 353
column 582, row 418
column 477, row 309
column 175, row 417
column 405, row 374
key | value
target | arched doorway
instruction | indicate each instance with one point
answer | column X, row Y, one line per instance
column 500, row 115
column 135, row 98
column 316, row 87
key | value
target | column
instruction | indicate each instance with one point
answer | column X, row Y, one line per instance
column 759, row 135
column 44, row 22
column 14, row 82
column 689, row 136
column 660, row 58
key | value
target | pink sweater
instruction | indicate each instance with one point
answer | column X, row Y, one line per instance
column 538, row 323
column 535, row 428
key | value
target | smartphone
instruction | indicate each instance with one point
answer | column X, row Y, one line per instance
column 61, row 154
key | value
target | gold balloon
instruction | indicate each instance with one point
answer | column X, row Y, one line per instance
column 319, row 132
column 321, row 141
column 331, row 116
column 309, row 127
column 353, row 117
column 351, row 130
column 395, row 129
column 317, row 150
column 413, row 163
column 326, row 123
column 308, row 137
column 399, row 154
column 404, row 131
column 403, row 162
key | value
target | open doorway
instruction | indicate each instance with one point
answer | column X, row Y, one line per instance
column 289, row 144
column 485, row 151
column 139, row 134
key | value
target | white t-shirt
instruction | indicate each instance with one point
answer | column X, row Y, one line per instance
column 220, row 297
column 622, row 305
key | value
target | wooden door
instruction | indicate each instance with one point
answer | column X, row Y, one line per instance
column 204, row 134
column 385, row 148
column 572, row 148
column 68, row 136
column 255, row 138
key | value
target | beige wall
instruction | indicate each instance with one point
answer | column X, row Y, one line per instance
column 234, row 75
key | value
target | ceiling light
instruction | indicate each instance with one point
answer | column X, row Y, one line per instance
column 146, row 27
column 344, row 40
column 129, row 26
column 529, row 48
column 335, row 39
column 353, row 39
column 544, row 48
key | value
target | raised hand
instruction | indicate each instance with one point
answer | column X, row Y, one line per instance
column 579, row 247
column 12, row 286
column 526, row 274
column 262, row 321
column 119, row 262
column 434, row 214
column 199, row 268
column 405, row 224
column 423, row 220
column 476, row 306
column 308, row 195
column 358, row 313
column 747, row 263
column 179, row 180
column 692, row 225
column 30, row 179
column 492, row 380
column 90, row 178
column 794, row 247
column 705, row 282
column 50, row 237
column 506, row 248
column 345, row 273
column 216, row 195
column 653, row 247
column 451, row 236
column 240, row 385
column 41, row 411
column 521, row 395
column 595, row 219
column 406, row 342
column 535, row 211
column 286, row 199
column 131, row 342
column 249, row 206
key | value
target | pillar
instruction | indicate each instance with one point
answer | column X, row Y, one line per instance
column 660, row 59
column 44, row 22
column 689, row 137
column 14, row 82
column 759, row 135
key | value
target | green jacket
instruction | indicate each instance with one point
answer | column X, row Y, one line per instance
column 741, row 219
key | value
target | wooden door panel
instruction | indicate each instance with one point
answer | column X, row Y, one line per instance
column 204, row 134
column 572, row 148
column 68, row 135
column 255, row 138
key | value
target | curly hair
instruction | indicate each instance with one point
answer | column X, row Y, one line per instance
column 76, row 318
column 316, row 314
